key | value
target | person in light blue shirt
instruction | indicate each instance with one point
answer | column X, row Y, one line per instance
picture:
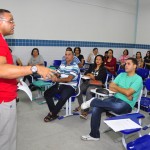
column 66, row 85
column 75, row 59
column 127, row 87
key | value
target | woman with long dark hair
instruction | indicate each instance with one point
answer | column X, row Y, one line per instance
column 140, row 60
column 97, row 74
column 147, row 60
column 110, row 62
column 77, row 53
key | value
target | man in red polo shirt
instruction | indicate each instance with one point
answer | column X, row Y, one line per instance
column 8, row 84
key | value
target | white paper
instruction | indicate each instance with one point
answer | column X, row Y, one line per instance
column 85, row 77
column 47, row 79
column 64, row 76
column 24, row 87
column 122, row 124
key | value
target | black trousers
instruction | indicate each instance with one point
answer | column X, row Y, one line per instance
column 65, row 92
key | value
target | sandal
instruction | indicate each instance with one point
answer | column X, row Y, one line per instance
column 77, row 109
column 49, row 118
column 84, row 115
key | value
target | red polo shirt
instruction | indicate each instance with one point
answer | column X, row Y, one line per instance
column 8, row 87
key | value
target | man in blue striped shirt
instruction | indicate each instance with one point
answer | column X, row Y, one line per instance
column 66, row 84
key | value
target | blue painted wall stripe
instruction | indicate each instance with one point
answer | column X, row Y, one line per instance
column 61, row 43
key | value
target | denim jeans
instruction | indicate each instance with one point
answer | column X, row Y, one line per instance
column 116, row 105
column 65, row 92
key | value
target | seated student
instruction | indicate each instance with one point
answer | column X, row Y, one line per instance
column 105, row 55
column 92, row 55
column 16, row 60
column 96, row 72
column 127, row 86
column 110, row 62
column 147, row 60
column 140, row 60
column 123, row 58
column 36, row 59
column 75, row 59
column 77, row 52
column 66, row 84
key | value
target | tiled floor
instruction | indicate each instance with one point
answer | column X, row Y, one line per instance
column 34, row 134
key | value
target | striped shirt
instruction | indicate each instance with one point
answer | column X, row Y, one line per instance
column 71, row 69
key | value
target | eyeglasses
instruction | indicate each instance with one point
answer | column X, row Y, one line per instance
column 9, row 21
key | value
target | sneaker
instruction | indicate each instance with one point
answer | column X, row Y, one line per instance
column 89, row 138
column 86, row 104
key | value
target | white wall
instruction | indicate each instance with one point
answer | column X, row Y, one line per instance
column 143, row 28
column 88, row 20
column 78, row 20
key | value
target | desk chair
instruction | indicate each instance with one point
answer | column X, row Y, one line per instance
column 42, row 86
column 144, row 73
column 141, row 143
column 136, row 117
column 56, row 63
column 145, row 101
column 69, row 101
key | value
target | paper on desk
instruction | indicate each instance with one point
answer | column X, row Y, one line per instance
column 85, row 77
column 122, row 124
column 24, row 87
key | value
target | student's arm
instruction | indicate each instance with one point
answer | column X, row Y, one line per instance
column 127, row 92
column 68, row 79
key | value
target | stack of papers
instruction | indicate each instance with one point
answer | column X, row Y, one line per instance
column 122, row 124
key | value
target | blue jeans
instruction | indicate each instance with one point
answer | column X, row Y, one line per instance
column 116, row 105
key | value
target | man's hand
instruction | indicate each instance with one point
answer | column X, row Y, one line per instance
column 130, row 97
column 113, row 87
column 46, row 72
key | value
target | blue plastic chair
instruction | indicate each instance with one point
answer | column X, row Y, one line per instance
column 45, row 63
column 120, row 71
column 56, row 63
column 145, row 101
column 144, row 73
column 136, row 117
column 141, row 143
column 69, row 101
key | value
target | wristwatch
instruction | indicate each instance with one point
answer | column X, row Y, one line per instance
column 34, row 69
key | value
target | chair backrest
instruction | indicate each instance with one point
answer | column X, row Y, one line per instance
column 144, row 73
column 138, row 103
column 117, row 67
column 56, row 63
column 108, row 78
column 78, row 85
column 147, row 84
column 120, row 71
column 45, row 63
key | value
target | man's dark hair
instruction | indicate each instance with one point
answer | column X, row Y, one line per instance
column 134, row 60
column 95, row 48
column 106, row 52
column 2, row 11
column 69, row 49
